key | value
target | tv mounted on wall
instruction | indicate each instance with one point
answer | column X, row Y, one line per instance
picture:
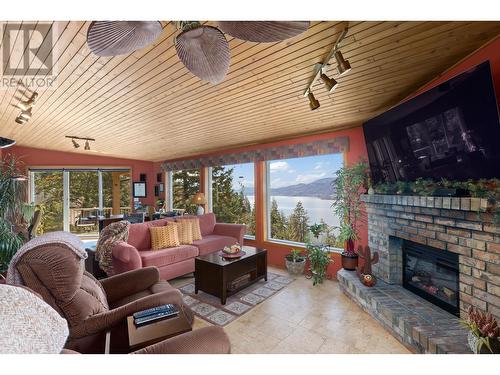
column 451, row 131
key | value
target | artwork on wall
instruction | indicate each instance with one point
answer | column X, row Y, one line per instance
column 157, row 190
column 142, row 177
column 162, row 188
column 158, row 177
column 139, row 189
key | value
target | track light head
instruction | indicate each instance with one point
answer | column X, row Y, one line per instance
column 75, row 143
column 87, row 145
column 330, row 83
column 313, row 103
column 343, row 65
column 26, row 115
column 20, row 120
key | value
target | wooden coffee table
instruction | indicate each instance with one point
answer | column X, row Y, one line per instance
column 216, row 275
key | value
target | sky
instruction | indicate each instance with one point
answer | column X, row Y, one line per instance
column 288, row 172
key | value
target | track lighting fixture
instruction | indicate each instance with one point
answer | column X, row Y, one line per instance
column 25, row 106
column 320, row 70
column 77, row 145
column 313, row 102
column 330, row 83
column 343, row 66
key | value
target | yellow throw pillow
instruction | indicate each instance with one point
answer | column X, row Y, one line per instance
column 163, row 237
column 185, row 231
column 195, row 225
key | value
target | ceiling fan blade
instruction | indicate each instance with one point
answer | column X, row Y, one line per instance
column 263, row 31
column 205, row 52
column 113, row 38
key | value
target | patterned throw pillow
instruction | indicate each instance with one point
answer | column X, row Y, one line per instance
column 195, row 225
column 163, row 237
column 185, row 231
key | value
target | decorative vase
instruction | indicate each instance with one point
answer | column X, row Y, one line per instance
column 371, row 191
column 200, row 210
column 472, row 341
column 295, row 268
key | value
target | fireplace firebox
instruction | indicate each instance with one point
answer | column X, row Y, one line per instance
column 432, row 274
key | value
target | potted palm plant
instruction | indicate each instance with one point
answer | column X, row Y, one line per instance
column 349, row 184
column 15, row 213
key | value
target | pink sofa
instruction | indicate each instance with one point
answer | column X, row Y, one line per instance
column 175, row 261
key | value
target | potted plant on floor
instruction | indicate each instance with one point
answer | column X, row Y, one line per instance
column 15, row 213
column 295, row 262
column 484, row 333
column 349, row 184
column 319, row 259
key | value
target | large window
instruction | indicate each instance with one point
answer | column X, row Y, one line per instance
column 300, row 193
column 71, row 200
column 233, row 199
column 186, row 183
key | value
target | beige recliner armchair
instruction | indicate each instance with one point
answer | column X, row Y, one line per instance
column 93, row 307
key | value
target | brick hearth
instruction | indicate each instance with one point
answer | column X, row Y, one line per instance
column 459, row 225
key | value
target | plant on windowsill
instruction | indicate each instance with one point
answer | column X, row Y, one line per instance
column 349, row 184
column 15, row 213
column 295, row 262
column 484, row 333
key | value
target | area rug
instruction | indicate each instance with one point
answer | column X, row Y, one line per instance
column 209, row 308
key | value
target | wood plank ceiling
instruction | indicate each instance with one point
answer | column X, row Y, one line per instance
column 148, row 106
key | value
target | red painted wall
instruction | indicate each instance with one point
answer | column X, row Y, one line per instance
column 490, row 51
column 33, row 157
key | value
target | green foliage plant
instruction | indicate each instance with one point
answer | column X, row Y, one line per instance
column 15, row 213
column 350, row 183
column 319, row 259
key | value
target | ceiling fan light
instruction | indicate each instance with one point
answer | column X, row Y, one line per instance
column 75, row 143
column 330, row 83
column 87, row 145
column 313, row 102
column 343, row 65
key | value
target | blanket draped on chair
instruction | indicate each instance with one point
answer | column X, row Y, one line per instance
column 111, row 234
column 64, row 238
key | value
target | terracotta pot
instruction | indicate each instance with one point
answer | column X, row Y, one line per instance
column 349, row 257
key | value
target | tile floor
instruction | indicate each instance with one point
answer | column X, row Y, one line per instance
column 305, row 319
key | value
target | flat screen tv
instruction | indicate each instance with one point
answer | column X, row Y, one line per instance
column 451, row 131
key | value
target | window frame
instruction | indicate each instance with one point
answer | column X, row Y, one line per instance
column 267, row 208
column 210, row 195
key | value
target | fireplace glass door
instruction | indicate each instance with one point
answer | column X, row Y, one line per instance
column 432, row 274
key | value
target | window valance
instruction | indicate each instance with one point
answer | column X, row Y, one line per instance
column 319, row 147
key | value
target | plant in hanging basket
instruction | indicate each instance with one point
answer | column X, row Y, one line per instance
column 484, row 331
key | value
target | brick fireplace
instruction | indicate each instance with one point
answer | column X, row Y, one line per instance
column 458, row 227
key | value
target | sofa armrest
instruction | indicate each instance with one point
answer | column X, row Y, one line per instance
column 207, row 340
column 125, row 257
column 109, row 319
column 232, row 230
column 127, row 283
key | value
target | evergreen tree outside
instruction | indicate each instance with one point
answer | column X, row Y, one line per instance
column 186, row 183
column 298, row 224
column 231, row 205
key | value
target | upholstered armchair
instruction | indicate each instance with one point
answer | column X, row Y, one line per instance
column 31, row 326
column 91, row 307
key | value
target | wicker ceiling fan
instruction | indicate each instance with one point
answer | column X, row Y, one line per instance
column 203, row 49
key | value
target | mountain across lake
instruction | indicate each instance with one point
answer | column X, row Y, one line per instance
column 321, row 188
